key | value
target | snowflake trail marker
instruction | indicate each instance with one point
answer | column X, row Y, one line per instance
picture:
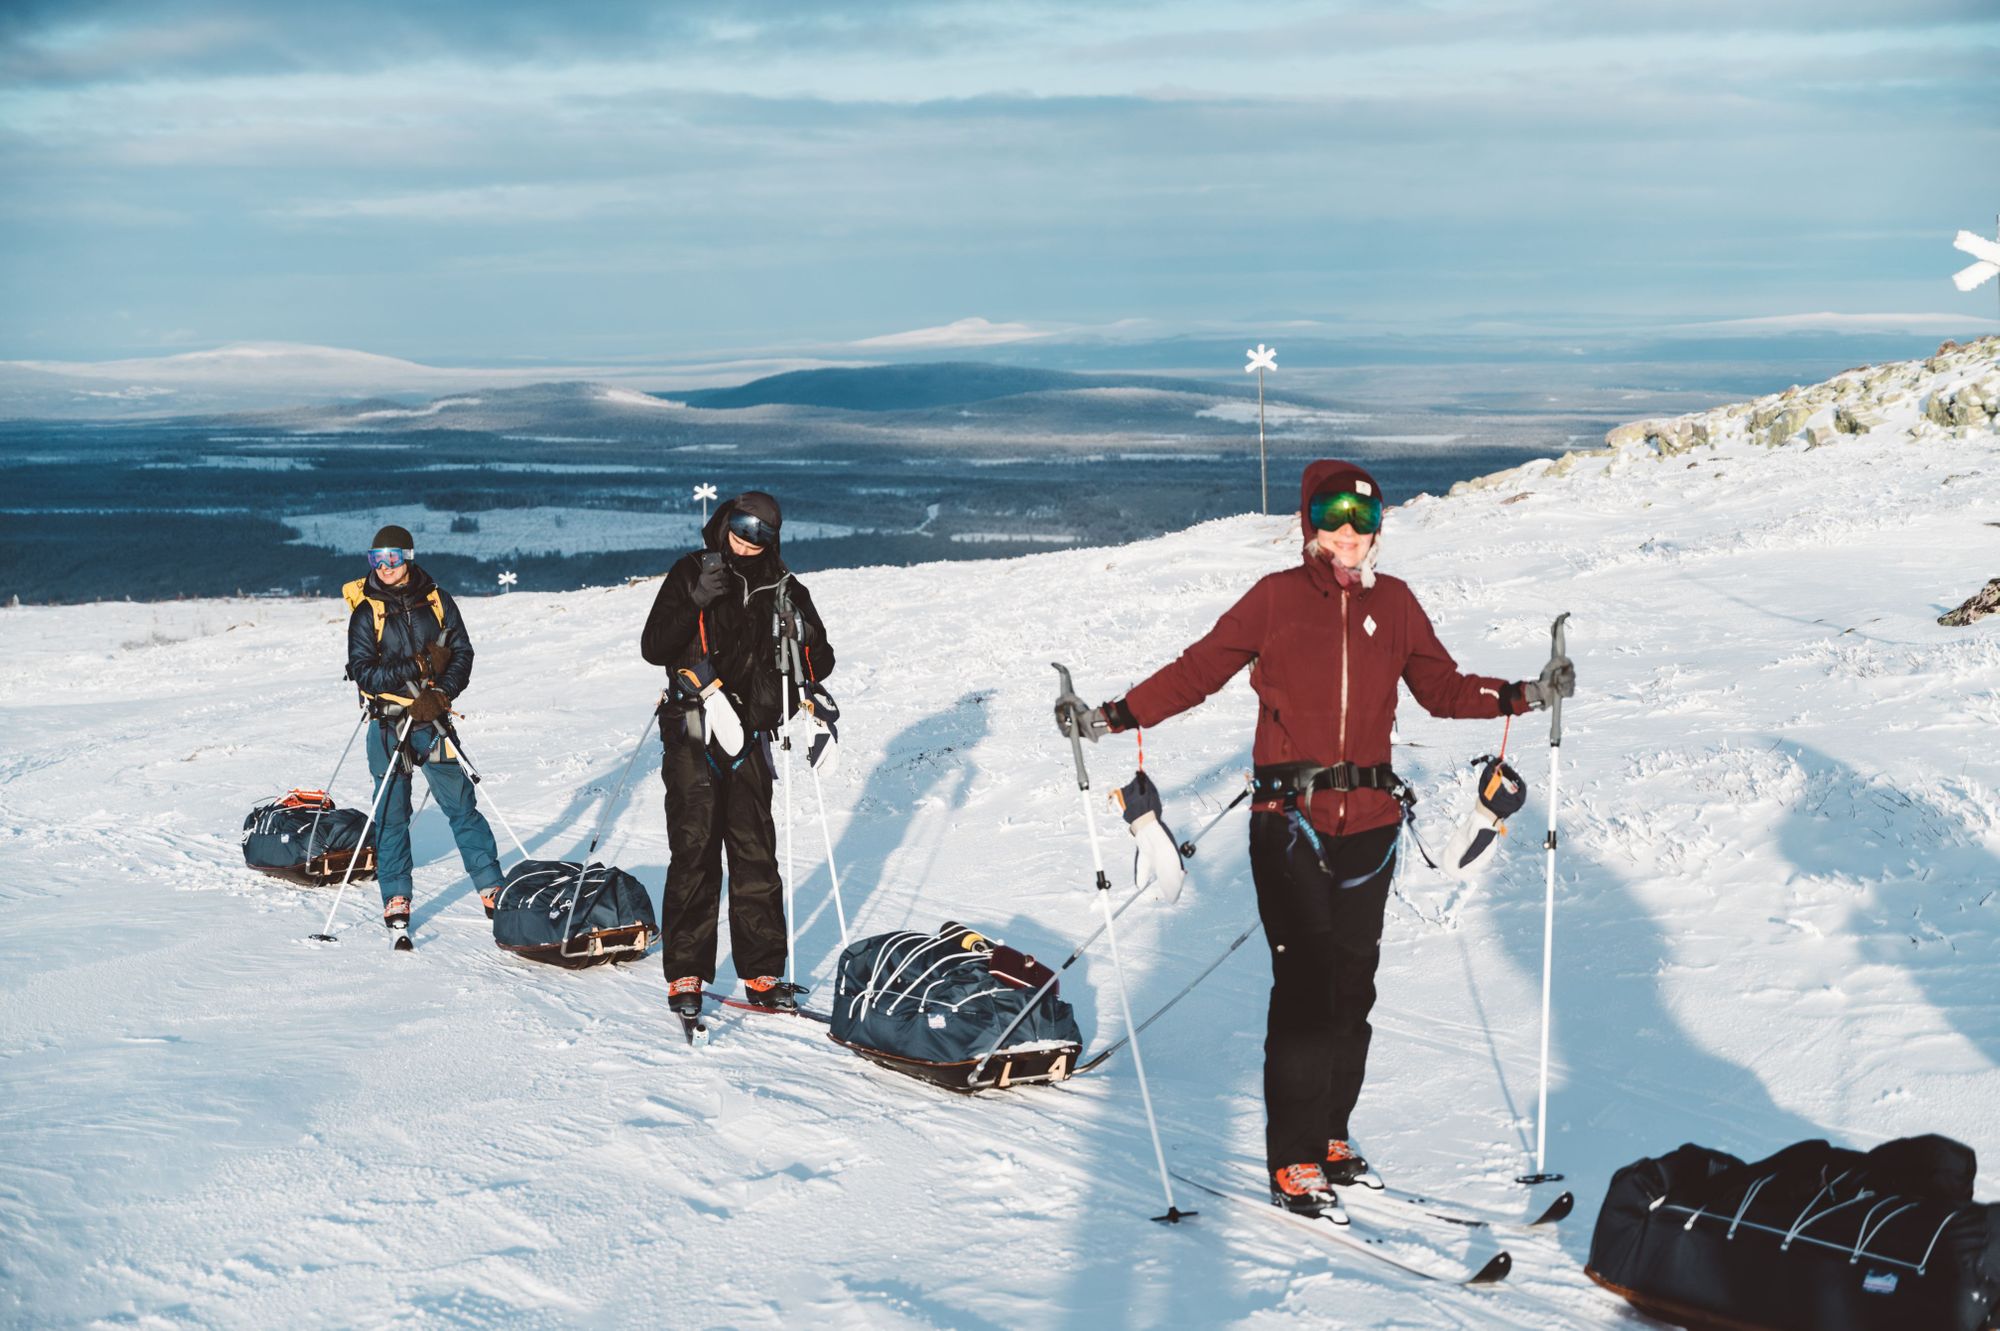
column 507, row 581
column 1987, row 252
column 704, row 493
column 1262, row 358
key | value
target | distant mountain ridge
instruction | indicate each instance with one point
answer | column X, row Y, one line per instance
column 928, row 385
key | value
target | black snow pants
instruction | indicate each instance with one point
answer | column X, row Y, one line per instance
column 713, row 803
column 1325, row 942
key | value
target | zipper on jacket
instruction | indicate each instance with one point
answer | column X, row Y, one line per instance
column 1340, row 820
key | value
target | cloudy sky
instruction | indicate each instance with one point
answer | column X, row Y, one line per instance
column 487, row 180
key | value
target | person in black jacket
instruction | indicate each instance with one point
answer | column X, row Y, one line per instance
column 408, row 653
column 729, row 609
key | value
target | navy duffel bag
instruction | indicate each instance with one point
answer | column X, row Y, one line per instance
column 302, row 837
column 1816, row 1238
column 936, row 1005
column 571, row 914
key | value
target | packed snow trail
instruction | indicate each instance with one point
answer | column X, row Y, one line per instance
column 1777, row 912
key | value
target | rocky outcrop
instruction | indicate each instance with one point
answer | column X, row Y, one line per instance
column 1954, row 393
column 1984, row 602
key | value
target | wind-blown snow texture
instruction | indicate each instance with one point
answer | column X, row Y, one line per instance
column 1778, row 920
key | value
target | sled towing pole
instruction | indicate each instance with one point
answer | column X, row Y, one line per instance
column 1558, row 649
column 327, row 935
column 472, row 774
column 603, row 823
column 312, row 832
column 1174, row 1214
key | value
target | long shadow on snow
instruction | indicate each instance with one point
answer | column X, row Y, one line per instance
column 563, row 837
column 927, row 759
column 1923, row 874
column 1638, row 1082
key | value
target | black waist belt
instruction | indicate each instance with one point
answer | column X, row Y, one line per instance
column 1294, row 782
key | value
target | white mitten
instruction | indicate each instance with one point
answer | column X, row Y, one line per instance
column 725, row 727
column 1158, row 858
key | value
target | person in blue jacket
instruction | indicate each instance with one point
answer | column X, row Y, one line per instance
column 408, row 653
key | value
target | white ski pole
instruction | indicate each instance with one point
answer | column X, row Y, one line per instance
column 1557, row 651
column 791, row 923
column 326, row 935
column 1174, row 1214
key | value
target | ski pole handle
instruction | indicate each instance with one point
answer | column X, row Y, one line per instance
column 1558, row 651
column 1075, row 725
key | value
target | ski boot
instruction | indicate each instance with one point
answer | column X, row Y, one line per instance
column 1304, row 1191
column 684, row 996
column 396, row 917
column 768, row 991
column 1346, row 1167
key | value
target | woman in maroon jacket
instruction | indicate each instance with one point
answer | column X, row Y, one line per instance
column 1326, row 642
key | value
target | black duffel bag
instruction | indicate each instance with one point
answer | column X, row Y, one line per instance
column 304, row 838
column 563, row 912
column 1816, row 1238
column 935, row 1004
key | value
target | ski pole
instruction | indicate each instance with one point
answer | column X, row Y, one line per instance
column 326, row 935
column 1103, row 884
column 1558, row 646
column 1186, row 848
column 791, row 921
column 327, row 790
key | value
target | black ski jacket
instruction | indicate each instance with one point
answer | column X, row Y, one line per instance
column 739, row 625
column 409, row 624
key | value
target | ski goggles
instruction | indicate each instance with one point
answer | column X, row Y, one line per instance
column 390, row 556
column 1331, row 510
column 753, row 529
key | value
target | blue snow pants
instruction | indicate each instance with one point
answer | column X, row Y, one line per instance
column 453, row 793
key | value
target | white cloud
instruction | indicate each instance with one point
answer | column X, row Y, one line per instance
column 974, row 332
column 1830, row 322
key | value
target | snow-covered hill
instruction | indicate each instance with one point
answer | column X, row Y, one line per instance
column 1779, row 907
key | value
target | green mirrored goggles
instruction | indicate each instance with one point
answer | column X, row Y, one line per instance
column 1332, row 510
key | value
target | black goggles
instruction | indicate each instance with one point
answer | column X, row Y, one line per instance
column 1332, row 510
column 750, row 528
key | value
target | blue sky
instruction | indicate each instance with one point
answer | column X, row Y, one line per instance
column 488, row 181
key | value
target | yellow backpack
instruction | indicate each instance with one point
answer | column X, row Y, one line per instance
column 356, row 593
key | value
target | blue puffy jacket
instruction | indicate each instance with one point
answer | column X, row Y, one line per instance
column 391, row 625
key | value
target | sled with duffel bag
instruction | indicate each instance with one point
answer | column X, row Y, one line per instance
column 954, row 1008
column 303, row 837
column 579, row 912
column 1815, row 1238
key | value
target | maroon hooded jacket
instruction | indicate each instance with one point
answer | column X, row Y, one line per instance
column 1324, row 660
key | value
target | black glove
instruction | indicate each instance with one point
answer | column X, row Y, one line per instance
column 435, row 658
column 1094, row 723
column 429, row 706
column 712, row 583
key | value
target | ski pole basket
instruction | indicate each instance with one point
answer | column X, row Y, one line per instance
column 303, row 837
column 1815, row 1238
column 930, row 1005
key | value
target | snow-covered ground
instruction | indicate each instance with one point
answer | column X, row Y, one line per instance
column 1779, row 908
